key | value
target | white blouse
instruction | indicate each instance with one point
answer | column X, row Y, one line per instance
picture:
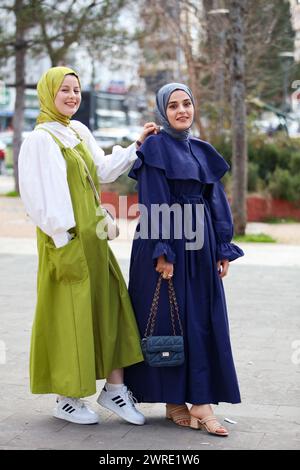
column 43, row 175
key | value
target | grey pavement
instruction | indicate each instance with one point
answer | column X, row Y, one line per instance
column 263, row 296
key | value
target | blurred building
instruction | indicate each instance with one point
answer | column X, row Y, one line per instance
column 111, row 73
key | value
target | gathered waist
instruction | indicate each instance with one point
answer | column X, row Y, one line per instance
column 187, row 199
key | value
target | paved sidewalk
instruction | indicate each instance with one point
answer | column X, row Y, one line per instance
column 263, row 302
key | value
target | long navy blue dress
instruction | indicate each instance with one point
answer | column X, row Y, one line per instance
column 185, row 172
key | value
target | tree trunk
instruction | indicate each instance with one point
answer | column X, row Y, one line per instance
column 239, row 135
column 18, row 118
column 217, row 27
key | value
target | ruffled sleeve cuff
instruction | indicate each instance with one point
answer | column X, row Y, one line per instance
column 163, row 248
column 228, row 251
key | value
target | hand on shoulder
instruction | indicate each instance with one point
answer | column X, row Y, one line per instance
column 150, row 128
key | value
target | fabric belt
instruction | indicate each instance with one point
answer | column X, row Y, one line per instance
column 192, row 256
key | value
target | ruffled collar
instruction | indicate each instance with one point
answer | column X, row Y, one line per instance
column 186, row 159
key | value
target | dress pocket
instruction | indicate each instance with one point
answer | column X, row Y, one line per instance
column 67, row 263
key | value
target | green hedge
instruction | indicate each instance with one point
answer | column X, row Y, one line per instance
column 273, row 166
column 9, row 157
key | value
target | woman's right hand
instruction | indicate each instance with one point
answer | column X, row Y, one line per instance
column 164, row 267
column 148, row 129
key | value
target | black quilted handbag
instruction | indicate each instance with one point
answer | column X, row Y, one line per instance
column 163, row 351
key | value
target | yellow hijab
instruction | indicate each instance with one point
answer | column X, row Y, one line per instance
column 47, row 89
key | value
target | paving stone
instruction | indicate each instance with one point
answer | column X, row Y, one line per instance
column 263, row 307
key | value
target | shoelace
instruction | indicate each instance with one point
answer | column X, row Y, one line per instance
column 78, row 402
column 131, row 397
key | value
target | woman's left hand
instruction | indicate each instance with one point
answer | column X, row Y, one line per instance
column 165, row 268
column 223, row 267
column 149, row 128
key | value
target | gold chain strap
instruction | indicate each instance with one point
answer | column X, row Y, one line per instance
column 174, row 305
column 154, row 308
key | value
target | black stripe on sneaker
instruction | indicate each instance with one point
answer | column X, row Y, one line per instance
column 116, row 398
column 117, row 402
column 66, row 406
column 71, row 411
column 69, row 408
column 123, row 404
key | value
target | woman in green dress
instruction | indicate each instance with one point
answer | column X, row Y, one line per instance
column 84, row 327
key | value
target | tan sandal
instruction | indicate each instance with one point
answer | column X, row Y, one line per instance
column 179, row 414
column 209, row 424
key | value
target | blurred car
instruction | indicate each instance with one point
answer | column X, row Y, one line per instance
column 105, row 141
column 268, row 122
column 2, row 157
column 110, row 136
column 134, row 132
column 7, row 137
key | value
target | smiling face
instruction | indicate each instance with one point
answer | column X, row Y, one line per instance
column 68, row 97
column 180, row 110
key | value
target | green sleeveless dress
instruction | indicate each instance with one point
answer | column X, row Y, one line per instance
column 84, row 324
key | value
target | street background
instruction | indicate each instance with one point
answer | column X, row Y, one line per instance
column 263, row 299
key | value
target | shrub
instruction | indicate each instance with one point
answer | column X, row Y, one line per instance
column 284, row 185
column 253, row 176
column 273, row 164
column 296, row 187
column 266, row 156
column 294, row 163
column 226, row 181
column 123, row 185
column 223, row 145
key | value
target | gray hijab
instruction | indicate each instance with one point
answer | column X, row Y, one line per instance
column 162, row 99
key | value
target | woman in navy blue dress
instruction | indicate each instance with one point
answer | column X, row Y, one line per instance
column 175, row 168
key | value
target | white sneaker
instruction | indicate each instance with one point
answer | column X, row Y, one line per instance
column 74, row 410
column 121, row 402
